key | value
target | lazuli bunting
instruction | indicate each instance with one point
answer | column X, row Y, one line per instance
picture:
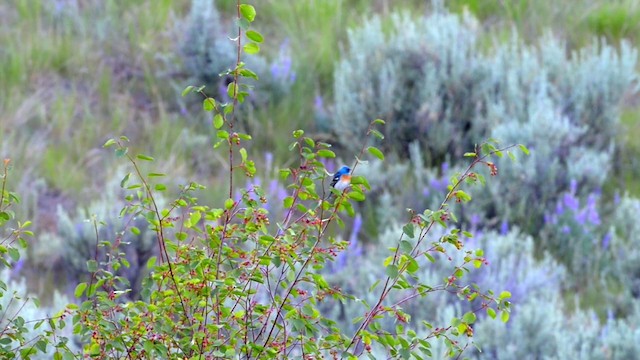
column 341, row 179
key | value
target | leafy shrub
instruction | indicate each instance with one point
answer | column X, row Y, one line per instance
column 23, row 332
column 209, row 56
column 22, row 325
column 80, row 233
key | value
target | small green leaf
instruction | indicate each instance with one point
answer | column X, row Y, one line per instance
column 209, row 104
column 524, row 149
column 491, row 313
column 145, row 157
column 469, row 317
column 377, row 134
column 255, row 36
column 408, row 229
column 392, row 271
column 243, row 154
column 187, row 90
column 375, row 152
column 151, row 262
column 125, row 180
column 248, row 12
column 135, row 230
column 379, row 121
column 228, row 204
column 160, row 187
column 218, row 121
column 412, row 265
column 504, row 295
column 80, row 288
column 251, row 48
column 122, row 152
column 298, row 133
column 14, row 254
column 92, row 266
column 470, row 154
column 406, row 246
column 504, row 316
column 356, row 195
column 222, row 134
column 326, row 153
column 231, row 90
column 109, row 142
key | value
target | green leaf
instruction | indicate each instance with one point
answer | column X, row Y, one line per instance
column 14, row 254
column 209, row 104
column 231, row 91
column 195, row 217
column 160, row 187
column 377, row 134
column 298, row 133
column 408, row 229
column 125, row 180
column 288, row 202
column 248, row 12
column 469, row 317
column 504, row 316
column 187, row 90
column 80, row 288
column 222, row 134
column 379, row 121
column 504, row 295
column 135, row 230
column 228, row 204
column 218, row 121
column 251, row 48
column 243, row 154
column 392, row 271
column 356, row 195
column 412, row 265
column 326, row 153
column 144, row 157
column 122, row 152
column 375, row 152
column 255, row 36
column 92, row 266
column 249, row 74
column 151, row 262
column 108, row 143
column 406, row 246
column 524, row 149
column 156, row 174
column 491, row 313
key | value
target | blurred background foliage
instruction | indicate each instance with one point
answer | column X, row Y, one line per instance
column 559, row 228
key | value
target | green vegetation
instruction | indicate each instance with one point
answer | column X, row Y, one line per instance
column 556, row 229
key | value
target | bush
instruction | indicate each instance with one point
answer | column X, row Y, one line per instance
column 429, row 77
column 425, row 77
column 209, row 55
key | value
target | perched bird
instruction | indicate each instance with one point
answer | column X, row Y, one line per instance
column 341, row 179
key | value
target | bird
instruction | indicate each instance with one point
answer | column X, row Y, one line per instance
column 341, row 179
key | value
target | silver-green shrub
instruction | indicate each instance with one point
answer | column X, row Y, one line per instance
column 425, row 78
column 436, row 87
